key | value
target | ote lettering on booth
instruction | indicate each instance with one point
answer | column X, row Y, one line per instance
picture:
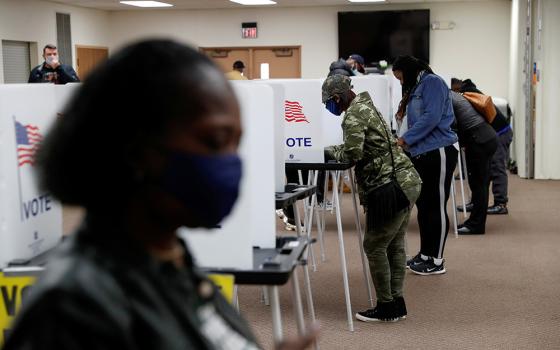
column 298, row 142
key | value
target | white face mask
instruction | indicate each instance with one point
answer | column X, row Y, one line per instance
column 51, row 59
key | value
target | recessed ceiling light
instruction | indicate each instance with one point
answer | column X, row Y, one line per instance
column 366, row 0
column 146, row 3
column 254, row 2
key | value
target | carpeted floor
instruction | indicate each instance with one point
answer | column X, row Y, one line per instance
column 501, row 289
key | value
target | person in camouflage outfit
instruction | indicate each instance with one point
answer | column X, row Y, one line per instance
column 366, row 143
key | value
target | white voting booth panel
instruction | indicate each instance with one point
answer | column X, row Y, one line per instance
column 279, row 98
column 30, row 220
column 378, row 88
column 396, row 96
column 252, row 220
column 303, row 112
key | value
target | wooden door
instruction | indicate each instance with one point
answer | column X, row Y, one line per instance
column 284, row 62
column 224, row 58
column 87, row 57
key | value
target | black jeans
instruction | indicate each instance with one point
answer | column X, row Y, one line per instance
column 436, row 171
column 498, row 173
column 292, row 177
column 479, row 156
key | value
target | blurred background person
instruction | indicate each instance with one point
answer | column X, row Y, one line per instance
column 52, row 70
column 237, row 72
column 431, row 144
column 341, row 67
column 357, row 63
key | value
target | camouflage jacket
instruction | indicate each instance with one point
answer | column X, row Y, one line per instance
column 365, row 143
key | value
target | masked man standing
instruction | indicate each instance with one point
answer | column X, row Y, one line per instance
column 388, row 185
column 52, row 71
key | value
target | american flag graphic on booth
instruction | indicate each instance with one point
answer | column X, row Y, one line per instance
column 293, row 112
column 28, row 139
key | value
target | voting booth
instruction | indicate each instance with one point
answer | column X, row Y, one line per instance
column 30, row 219
column 252, row 220
column 303, row 110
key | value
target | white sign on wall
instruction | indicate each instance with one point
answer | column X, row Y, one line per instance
column 252, row 220
column 30, row 219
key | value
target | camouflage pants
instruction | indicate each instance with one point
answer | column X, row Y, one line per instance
column 385, row 249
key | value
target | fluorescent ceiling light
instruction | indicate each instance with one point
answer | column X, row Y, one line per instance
column 146, row 3
column 254, row 2
column 366, row 0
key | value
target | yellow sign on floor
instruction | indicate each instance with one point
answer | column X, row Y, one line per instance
column 225, row 284
column 13, row 290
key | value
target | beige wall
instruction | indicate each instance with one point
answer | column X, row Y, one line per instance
column 477, row 48
column 547, row 141
column 35, row 21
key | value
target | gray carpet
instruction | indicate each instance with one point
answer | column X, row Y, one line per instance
column 501, row 289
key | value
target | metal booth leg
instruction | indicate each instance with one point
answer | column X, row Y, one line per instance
column 342, row 254
column 276, row 316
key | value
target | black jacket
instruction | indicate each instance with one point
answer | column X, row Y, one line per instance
column 62, row 74
column 102, row 292
column 340, row 67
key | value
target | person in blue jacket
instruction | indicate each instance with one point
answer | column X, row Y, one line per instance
column 432, row 146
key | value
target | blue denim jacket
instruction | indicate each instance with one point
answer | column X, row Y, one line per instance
column 430, row 115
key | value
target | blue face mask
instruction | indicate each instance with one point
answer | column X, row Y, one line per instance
column 207, row 185
column 333, row 107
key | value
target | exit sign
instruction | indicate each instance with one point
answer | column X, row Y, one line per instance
column 249, row 30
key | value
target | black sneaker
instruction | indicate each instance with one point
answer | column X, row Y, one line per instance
column 468, row 207
column 428, row 267
column 415, row 260
column 400, row 308
column 383, row 312
column 497, row 209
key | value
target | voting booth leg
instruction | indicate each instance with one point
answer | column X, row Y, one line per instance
column 309, row 218
column 319, row 223
column 276, row 316
column 308, row 293
column 265, row 298
column 461, row 172
column 299, row 234
column 298, row 307
column 305, row 205
column 342, row 254
column 322, row 241
column 365, row 265
column 307, row 280
column 453, row 200
column 235, row 300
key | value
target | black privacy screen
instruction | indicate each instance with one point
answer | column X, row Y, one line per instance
column 384, row 35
